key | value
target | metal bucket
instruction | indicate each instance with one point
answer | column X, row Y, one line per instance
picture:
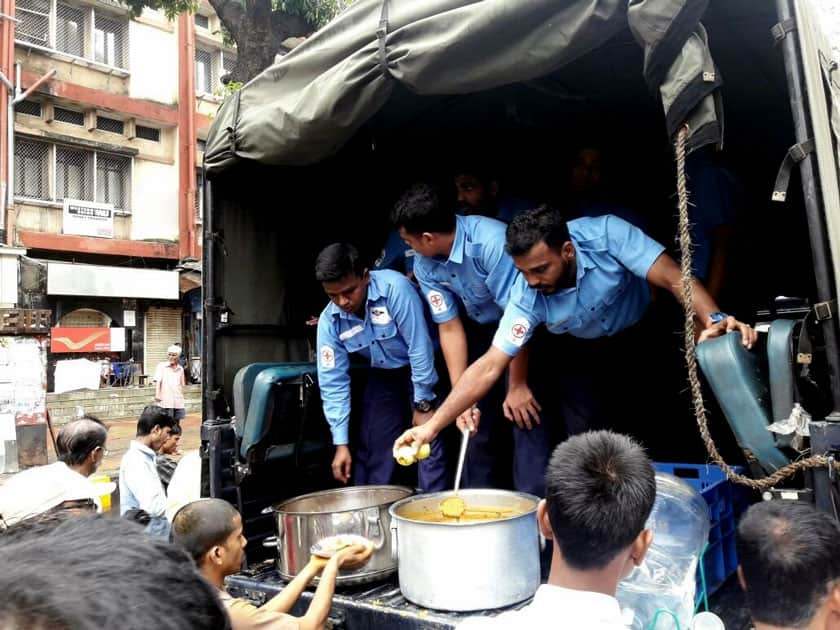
column 463, row 566
column 360, row 510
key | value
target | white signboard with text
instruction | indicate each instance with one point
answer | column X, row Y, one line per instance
column 88, row 218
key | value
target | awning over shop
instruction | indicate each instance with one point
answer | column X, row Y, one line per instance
column 119, row 282
column 307, row 105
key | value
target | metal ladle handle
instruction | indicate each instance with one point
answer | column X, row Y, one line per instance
column 465, row 438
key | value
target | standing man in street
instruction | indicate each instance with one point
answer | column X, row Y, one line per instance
column 140, row 486
column 169, row 383
column 462, row 260
column 377, row 315
column 589, row 278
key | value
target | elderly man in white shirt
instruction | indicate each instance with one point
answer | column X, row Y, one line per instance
column 63, row 485
column 140, row 487
column 600, row 490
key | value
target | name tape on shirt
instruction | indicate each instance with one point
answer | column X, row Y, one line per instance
column 327, row 357
column 352, row 332
column 518, row 331
column 379, row 315
column 437, row 302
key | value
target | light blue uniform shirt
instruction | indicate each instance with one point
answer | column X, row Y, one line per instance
column 611, row 293
column 478, row 271
column 393, row 334
column 395, row 255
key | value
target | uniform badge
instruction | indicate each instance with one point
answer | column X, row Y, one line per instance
column 437, row 302
column 518, row 331
column 327, row 357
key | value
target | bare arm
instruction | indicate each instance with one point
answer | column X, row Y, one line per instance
column 665, row 273
column 316, row 615
column 285, row 599
column 453, row 343
column 520, row 406
column 474, row 383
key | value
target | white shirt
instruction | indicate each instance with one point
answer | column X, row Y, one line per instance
column 556, row 608
column 185, row 485
column 39, row 489
column 140, row 485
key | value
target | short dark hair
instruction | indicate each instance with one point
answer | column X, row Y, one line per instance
column 176, row 429
column 83, row 573
column 420, row 209
column 338, row 261
column 151, row 417
column 78, row 438
column 790, row 559
column 201, row 525
column 600, row 489
column 532, row 226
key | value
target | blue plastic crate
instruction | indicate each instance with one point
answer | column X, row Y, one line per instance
column 726, row 503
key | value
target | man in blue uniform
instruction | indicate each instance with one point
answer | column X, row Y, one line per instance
column 479, row 193
column 461, row 264
column 379, row 316
column 589, row 278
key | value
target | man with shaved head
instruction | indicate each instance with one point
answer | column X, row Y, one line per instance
column 211, row 531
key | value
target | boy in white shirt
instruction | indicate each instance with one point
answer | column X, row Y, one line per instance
column 600, row 490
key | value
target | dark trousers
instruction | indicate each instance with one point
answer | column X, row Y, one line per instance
column 386, row 412
column 489, row 452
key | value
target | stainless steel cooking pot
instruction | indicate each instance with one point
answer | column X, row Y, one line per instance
column 462, row 566
column 361, row 510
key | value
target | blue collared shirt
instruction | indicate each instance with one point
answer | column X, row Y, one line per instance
column 611, row 292
column 396, row 255
column 140, row 487
column 393, row 334
column 478, row 271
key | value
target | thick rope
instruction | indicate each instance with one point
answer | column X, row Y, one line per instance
column 687, row 283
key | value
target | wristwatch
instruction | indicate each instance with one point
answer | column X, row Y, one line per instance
column 424, row 406
column 717, row 317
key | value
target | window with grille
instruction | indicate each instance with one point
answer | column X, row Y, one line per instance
column 199, row 196
column 111, row 125
column 228, row 62
column 33, row 24
column 78, row 174
column 30, row 108
column 68, row 116
column 148, row 133
column 204, row 79
column 70, row 30
column 105, row 41
column 202, row 21
column 73, row 174
column 113, row 174
column 32, row 169
column 110, row 41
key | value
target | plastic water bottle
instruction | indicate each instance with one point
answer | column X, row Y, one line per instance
column 659, row 593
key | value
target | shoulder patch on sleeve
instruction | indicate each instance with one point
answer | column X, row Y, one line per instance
column 437, row 302
column 327, row 357
column 518, row 331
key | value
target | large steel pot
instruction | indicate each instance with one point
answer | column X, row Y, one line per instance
column 361, row 510
column 462, row 566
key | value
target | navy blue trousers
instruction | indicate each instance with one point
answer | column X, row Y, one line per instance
column 386, row 412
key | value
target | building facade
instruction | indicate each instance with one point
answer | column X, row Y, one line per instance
column 100, row 179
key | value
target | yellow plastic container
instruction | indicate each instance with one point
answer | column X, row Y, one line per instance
column 105, row 499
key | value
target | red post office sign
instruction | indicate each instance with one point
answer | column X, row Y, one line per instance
column 87, row 340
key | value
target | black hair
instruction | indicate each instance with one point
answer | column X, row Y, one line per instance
column 600, row 489
column 790, row 559
column 176, row 429
column 420, row 209
column 201, row 525
column 86, row 572
column 78, row 438
column 338, row 261
column 151, row 417
column 532, row 226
